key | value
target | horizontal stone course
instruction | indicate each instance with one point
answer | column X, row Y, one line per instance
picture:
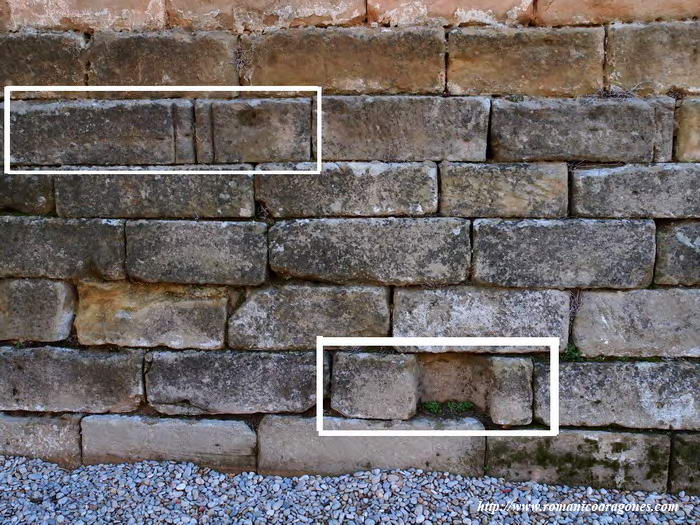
column 619, row 460
column 588, row 12
column 32, row 194
column 350, row 189
column 36, row 309
column 685, row 463
column 678, row 253
column 664, row 395
column 211, row 252
column 196, row 383
column 688, row 131
column 386, row 251
column 61, row 248
column 451, row 13
column 358, row 60
column 50, row 379
column 55, row 439
column 569, row 253
column 638, row 323
column 291, row 316
column 224, row 445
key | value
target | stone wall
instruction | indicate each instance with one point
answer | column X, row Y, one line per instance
column 505, row 168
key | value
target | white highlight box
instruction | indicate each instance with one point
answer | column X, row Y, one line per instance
column 42, row 89
column 551, row 342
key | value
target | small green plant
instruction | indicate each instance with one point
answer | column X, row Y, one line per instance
column 432, row 406
column 571, row 353
column 448, row 408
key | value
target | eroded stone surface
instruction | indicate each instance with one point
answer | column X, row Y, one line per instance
column 449, row 13
column 688, row 131
column 195, row 383
column 291, row 316
column 638, row 323
column 567, row 253
column 36, row 309
column 290, row 445
column 130, row 314
column 50, row 379
column 685, row 463
column 31, row 194
column 678, row 253
column 387, row 251
column 595, row 458
column 588, row 12
column 224, row 445
column 55, row 439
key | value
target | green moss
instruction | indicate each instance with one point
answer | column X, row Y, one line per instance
column 448, row 408
column 571, row 353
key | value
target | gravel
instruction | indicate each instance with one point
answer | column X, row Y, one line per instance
column 34, row 491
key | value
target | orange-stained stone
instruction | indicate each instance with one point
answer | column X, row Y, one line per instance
column 578, row 12
column 449, row 12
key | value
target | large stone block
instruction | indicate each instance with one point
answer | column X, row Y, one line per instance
column 589, row 12
column 146, row 195
column 465, row 311
column 449, row 13
column 160, row 59
column 405, row 128
column 664, row 191
column 586, row 129
column 36, row 309
column 96, row 132
column 374, row 386
column 525, row 61
column 208, row 252
column 55, row 439
column 49, row 379
column 688, row 131
column 350, row 189
column 40, row 59
column 60, row 248
column 678, row 253
column 386, row 251
column 131, row 314
column 654, row 58
column 573, row 253
column 500, row 386
column 503, row 190
column 627, row 394
column 291, row 316
column 638, row 323
column 224, row 445
column 195, row 383
column 353, row 60
column 685, row 463
column 32, row 194
column 620, row 460
column 290, row 445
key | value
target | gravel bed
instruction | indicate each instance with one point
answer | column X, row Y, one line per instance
column 34, row 491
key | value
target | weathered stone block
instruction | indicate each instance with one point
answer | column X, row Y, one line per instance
column 405, row 128
column 375, row 386
column 224, row 445
column 60, row 248
column 209, row 252
column 131, row 314
column 55, row 439
column 654, row 58
column 387, row 251
column 638, row 323
column 94, row 132
column 620, row 460
column 525, row 61
column 167, row 58
column 450, row 13
column 290, row 445
column 40, row 59
column 31, row 194
column 503, row 190
column 255, row 130
column 678, row 253
column 589, row 12
column 587, row 129
column 147, row 195
column 50, row 379
column 688, row 131
column 291, row 316
column 574, row 253
column 465, row 311
column 662, row 190
column 195, row 383
column 353, row 60
column 627, row 394
column 36, row 309
column 350, row 189
column 685, row 463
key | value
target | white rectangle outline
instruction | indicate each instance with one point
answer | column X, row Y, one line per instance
column 6, row 131
column 551, row 342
